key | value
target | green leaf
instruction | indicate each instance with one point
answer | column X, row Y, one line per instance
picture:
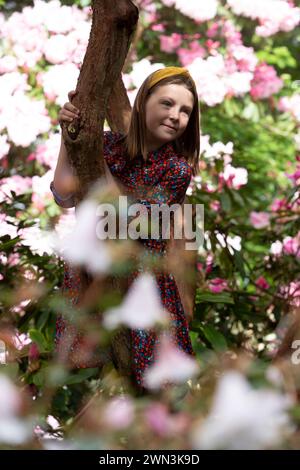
column 222, row 298
column 216, row 339
column 37, row 337
column 81, row 376
column 225, row 202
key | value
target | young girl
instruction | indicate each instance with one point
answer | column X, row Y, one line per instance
column 154, row 162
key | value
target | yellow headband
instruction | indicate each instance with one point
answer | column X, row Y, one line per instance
column 167, row 72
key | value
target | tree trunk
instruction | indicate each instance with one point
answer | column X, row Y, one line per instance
column 113, row 24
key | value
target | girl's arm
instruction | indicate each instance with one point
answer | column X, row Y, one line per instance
column 64, row 183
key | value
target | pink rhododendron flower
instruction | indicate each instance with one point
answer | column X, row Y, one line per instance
column 55, row 88
column 170, row 43
column 208, row 75
column 235, row 177
column 59, row 48
column 8, row 226
column 129, row 313
column 217, row 285
column 262, row 283
column 273, row 15
column 259, row 219
column 4, row 146
column 118, row 412
column 164, row 423
column 290, row 104
column 276, row 248
column 291, row 293
column 94, row 253
column 188, row 55
column 291, row 246
column 198, row 11
column 26, row 119
column 265, row 82
column 172, row 365
column 8, row 64
column 16, row 183
column 278, row 204
column 46, row 153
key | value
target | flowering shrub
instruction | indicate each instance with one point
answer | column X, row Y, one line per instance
column 242, row 55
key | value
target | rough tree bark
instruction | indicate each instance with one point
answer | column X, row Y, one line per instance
column 113, row 24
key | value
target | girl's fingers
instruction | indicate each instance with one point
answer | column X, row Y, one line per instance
column 71, row 94
column 65, row 115
column 68, row 106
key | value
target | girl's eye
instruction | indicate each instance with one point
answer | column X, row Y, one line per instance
column 167, row 103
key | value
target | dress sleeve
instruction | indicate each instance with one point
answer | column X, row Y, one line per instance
column 65, row 202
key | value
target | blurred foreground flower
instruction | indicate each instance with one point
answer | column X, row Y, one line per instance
column 13, row 430
column 171, row 366
column 141, row 307
column 243, row 418
column 118, row 412
column 82, row 246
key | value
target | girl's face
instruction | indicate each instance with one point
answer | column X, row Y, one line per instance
column 168, row 110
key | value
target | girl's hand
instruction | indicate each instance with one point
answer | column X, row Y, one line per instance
column 68, row 112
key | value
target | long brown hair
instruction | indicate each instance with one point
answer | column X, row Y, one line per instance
column 188, row 144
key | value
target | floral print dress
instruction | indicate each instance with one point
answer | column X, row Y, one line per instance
column 162, row 179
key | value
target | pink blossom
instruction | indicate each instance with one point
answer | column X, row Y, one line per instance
column 170, row 43
column 209, row 264
column 4, row 146
column 245, row 57
column 55, row 88
column 15, row 183
column 59, row 48
column 158, row 27
column 172, row 365
column 217, row 285
column 259, row 219
column 278, row 205
column 8, row 226
column 232, row 35
column 41, row 189
column 208, row 75
column 162, row 422
column 290, row 104
column 276, row 248
column 46, row 153
column 26, row 118
column 282, row 16
column 198, row 11
column 129, row 313
column 291, row 246
column 265, row 82
column 213, row 30
column 215, row 205
column 238, row 83
column 34, row 352
column 295, row 177
column 291, row 292
column 8, row 64
column 118, row 412
column 262, row 283
column 187, row 56
column 234, row 177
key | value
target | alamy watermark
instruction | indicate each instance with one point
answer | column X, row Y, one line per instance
column 143, row 220
column 295, row 357
column 3, row 352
